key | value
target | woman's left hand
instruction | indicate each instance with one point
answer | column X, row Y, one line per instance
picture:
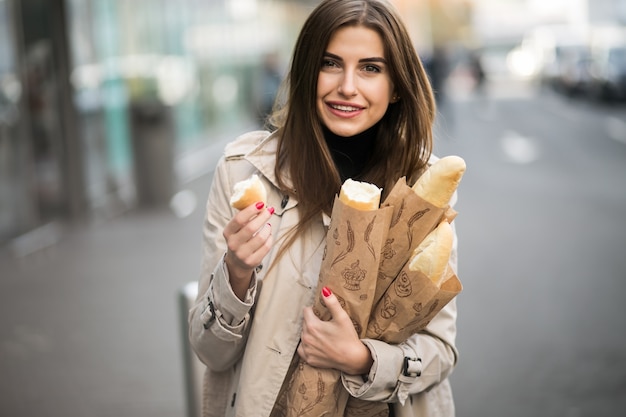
column 334, row 343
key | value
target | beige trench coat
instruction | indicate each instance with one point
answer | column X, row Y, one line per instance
column 248, row 346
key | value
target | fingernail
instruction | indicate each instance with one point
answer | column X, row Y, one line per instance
column 260, row 205
column 271, row 210
column 326, row 292
column 269, row 225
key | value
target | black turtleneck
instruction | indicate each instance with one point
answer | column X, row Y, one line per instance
column 351, row 154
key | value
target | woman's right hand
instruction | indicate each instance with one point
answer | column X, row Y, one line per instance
column 248, row 238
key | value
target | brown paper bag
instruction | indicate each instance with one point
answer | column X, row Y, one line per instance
column 413, row 218
column 361, row 408
column 351, row 259
column 409, row 304
column 318, row 392
column 349, row 268
column 407, row 307
column 404, row 303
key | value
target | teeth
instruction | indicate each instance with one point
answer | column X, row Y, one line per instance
column 344, row 108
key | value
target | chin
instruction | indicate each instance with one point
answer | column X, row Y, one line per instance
column 345, row 131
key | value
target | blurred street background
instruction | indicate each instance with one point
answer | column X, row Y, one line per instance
column 113, row 114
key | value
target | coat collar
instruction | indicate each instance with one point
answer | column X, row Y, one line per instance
column 263, row 158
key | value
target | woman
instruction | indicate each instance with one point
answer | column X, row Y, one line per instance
column 358, row 105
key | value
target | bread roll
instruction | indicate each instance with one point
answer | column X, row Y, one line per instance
column 440, row 180
column 247, row 192
column 360, row 195
column 432, row 255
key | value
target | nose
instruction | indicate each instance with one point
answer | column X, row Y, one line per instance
column 347, row 85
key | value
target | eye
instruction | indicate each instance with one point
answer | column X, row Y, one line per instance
column 372, row 68
column 328, row 63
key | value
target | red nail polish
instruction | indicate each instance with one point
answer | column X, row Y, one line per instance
column 326, row 292
column 260, row 205
column 271, row 210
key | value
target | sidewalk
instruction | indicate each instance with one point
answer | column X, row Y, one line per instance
column 90, row 326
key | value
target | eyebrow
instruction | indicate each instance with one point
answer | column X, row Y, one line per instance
column 372, row 59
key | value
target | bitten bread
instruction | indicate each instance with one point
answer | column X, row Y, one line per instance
column 247, row 192
column 437, row 184
column 360, row 195
column 433, row 253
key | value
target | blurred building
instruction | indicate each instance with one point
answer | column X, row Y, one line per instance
column 102, row 101
column 105, row 104
column 510, row 19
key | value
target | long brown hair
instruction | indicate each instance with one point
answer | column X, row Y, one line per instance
column 404, row 140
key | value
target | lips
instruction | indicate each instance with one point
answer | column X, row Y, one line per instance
column 344, row 109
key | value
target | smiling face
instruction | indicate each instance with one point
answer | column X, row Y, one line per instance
column 354, row 87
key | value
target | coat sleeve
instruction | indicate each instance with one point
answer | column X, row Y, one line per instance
column 433, row 350
column 218, row 321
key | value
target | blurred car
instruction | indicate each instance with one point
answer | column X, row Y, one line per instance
column 549, row 53
column 608, row 73
column 573, row 76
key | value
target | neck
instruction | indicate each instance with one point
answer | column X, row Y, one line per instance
column 351, row 154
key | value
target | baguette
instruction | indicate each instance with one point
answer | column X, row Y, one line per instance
column 437, row 184
column 360, row 195
column 433, row 253
column 248, row 192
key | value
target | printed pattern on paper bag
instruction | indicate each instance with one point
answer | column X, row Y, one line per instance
column 353, row 277
column 411, row 222
column 388, row 253
column 389, row 309
column 402, row 285
column 361, row 408
column 349, row 248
